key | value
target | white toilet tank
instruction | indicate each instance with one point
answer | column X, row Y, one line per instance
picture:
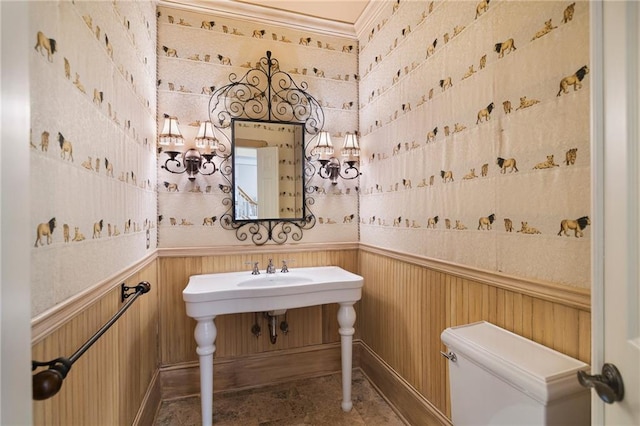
column 501, row 378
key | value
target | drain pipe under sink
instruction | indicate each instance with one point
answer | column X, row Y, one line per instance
column 272, row 317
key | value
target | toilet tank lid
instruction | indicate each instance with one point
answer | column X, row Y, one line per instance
column 537, row 370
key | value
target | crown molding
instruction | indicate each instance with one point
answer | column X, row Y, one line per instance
column 264, row 15
column 368, row 17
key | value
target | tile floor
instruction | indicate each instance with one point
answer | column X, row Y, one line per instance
column 313, row 401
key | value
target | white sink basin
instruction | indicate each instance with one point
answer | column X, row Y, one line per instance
column 207, row 296
column 235, row 292
column 275, row 280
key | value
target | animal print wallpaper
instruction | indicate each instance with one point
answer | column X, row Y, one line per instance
column 474, row 118
column 93, row 159
column 197, row 52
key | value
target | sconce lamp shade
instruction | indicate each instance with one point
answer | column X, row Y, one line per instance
column 351, row 147
column 206, row 137
column 170, row 134
column 324, row 147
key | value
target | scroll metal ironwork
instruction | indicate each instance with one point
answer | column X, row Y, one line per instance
column 266, row 93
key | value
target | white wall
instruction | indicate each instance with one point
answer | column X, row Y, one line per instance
column 15, row 303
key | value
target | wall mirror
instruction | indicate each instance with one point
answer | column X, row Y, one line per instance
column 268, row 178
column 270, row 122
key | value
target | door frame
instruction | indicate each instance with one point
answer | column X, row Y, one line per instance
column 597, row 198
column 15, row 249
column 601, row 52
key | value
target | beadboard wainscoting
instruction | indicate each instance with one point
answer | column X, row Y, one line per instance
column 408, row 301
column 113, row 379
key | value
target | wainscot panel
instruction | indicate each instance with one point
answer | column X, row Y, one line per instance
column 408, row 301
column 108, row 384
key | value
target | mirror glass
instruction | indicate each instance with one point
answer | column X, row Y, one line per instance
column 268, row 178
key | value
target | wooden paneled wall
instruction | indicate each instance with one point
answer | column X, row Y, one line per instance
column 107, row 385
column 406, row 306
column 307, row 326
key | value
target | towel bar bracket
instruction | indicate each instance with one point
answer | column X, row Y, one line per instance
column 142, row 287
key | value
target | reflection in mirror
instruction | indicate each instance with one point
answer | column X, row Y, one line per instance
column 268, row 180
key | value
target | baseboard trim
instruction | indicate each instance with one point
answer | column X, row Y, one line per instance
column 406, row 401
column 150, row 403
column 252, row 371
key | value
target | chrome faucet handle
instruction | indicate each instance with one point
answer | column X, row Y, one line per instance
column 270, row 268
column 285, row 268
column 255, row 270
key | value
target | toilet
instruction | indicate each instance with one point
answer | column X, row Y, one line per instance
column 497, row 377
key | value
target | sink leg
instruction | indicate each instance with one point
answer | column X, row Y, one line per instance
column 205, row 334
column 346, row 320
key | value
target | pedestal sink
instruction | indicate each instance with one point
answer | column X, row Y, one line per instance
column 207, row 296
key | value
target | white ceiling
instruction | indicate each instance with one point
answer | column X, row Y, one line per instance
column 346, row 11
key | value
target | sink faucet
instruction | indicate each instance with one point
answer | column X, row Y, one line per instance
column 256, row 270
column 270, row 268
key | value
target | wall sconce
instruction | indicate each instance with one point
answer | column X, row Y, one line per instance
column 330, row 167
column 193, row 160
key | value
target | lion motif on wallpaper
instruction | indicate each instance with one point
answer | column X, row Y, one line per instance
column 45, row 44
column 577, row 226
column 574, row 80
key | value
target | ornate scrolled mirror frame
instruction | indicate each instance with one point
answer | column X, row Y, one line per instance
column 267, row 94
